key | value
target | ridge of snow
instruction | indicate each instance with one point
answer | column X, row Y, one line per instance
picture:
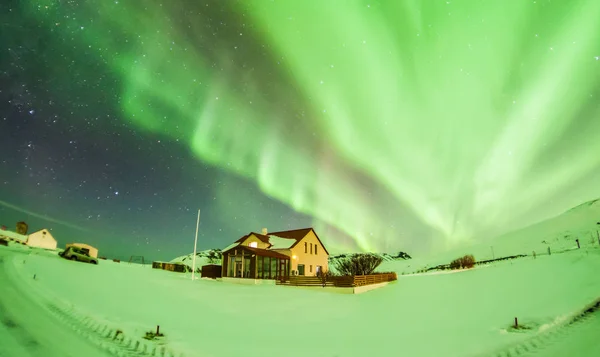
column 280, row 243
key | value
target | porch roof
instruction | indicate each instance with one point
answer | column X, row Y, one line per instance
column 259, row 252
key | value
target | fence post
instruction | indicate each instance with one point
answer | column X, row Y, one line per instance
column 516, row 323
column 534, row 254
column 157, row 330
column 549, row 252
column 578, row 246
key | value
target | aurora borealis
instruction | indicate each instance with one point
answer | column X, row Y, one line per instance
column 387, row 125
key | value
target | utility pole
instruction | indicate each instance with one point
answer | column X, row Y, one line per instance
column 195, row 244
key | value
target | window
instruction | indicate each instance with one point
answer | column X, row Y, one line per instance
column 310, row 268
column 259, row 264
column 305, row 247
column 315, row 249
column 253, row 244
column 310, row 248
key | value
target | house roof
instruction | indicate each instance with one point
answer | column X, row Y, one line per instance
column 261, row 237
column 13, row 235
column 298, row 234
column 260, row 252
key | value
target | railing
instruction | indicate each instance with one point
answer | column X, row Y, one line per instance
column 339, row 281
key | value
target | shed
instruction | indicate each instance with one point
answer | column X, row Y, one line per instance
column 176, row 267
column 92, row 251
column 212, row 271
column 41, row 239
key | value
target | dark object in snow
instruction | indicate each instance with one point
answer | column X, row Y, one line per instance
column 3, row 242
column 117, row 334
column 153, row 335
column 516, row 323
column 116, row 260
column 578, row 246
column 33, row 276
column 534, row 256
column 549, row 252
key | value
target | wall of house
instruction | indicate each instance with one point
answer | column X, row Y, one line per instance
column 42, row 239
column 259, row 244
column 93, row 251
column 308, row 259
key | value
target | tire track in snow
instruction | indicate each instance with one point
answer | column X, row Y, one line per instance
column 106, row 337
column 557, row 338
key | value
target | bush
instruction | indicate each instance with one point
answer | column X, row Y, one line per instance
column 466, row 262
column 358, row 264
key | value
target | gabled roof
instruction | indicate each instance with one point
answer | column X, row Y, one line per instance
column 259, row 252
column 298, row 235
column 262, row 238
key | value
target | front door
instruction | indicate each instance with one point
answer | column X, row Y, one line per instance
column 300, row 269
column 238, row 269
column 282, row 274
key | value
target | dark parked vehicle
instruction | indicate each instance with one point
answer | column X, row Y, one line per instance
column 74, row 253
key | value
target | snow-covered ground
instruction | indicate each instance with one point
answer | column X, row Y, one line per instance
column 460, row 314
column 457, row 313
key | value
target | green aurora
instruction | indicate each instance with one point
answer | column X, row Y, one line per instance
column 438, row 121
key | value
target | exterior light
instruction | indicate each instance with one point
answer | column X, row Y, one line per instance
column 294, row 257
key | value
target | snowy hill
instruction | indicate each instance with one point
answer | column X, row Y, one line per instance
column 558, row 233
column 211, row 256
column 385, row 256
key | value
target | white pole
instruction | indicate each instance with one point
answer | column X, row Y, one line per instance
column 195, row 244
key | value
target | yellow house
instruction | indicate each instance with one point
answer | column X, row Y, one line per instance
column 275, row 255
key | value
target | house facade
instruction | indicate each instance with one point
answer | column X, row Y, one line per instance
column 275, row 255
column 41, row 239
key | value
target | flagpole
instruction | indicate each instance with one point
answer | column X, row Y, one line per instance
column 195, row 244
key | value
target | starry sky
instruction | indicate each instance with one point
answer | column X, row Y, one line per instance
column 385, row 125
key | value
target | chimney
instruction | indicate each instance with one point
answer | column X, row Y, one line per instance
column 264, row 232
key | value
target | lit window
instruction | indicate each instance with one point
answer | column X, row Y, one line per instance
column 253, row 244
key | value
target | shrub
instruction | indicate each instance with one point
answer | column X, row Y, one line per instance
column 214, row 256
column 465, row 262
column 358, row 264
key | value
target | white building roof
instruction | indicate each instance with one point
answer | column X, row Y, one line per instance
column 13, row 235
column 281, row 243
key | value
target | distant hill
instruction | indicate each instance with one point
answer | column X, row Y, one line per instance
column 401, row 256
column 213, row 256
column 205, row 257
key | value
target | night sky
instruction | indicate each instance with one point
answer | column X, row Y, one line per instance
column 385, row 125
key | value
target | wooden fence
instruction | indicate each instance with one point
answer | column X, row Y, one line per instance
column 339, row 281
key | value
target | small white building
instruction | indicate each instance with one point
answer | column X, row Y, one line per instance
column 42, row 239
